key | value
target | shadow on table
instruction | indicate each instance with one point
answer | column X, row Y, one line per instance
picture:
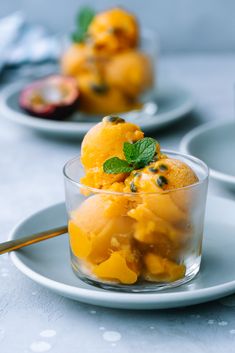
column 189, row 313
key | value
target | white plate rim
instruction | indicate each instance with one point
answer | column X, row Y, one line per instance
column 187, row 139
column 82, row 127
column 154, row 299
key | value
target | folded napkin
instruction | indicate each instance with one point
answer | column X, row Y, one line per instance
column 21, row 42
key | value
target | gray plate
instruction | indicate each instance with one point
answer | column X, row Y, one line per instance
column 214, row 143
column 48, row 263
column 172, row 101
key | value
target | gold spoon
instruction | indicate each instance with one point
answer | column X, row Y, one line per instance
column 16, row 244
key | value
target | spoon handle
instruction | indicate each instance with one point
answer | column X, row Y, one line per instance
column 31, row 239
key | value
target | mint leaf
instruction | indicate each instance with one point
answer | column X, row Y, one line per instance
column 116, row 165
column 84, row 17
column 138, row 155
column 130, row 152
column 141, row 152
column 83, row 20
column 77, row 37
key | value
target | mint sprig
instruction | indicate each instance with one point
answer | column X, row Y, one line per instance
column 116, row 165
column 141, row 152
column 138, row 155
column 83, row 20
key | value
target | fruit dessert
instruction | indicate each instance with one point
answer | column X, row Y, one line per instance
column 105, row 58
column 136, row 223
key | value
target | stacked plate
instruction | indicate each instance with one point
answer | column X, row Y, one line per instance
column 214, row 143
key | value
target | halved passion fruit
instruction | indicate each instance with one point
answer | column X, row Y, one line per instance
column 54, row 97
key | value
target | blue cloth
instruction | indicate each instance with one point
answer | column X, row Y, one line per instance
column 21, row 42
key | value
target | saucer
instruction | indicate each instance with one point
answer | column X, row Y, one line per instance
column 48, row 263
column 214, row 143
column 170, row 103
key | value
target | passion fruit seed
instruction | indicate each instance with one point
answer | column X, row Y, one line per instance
column 162, row 181
column 113, row 119
column 113, row 30
column 137, row 174
column 163, row 167
column 153, row 170
column 99, row 88
column 133, row 187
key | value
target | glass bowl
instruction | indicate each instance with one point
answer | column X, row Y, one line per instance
column 136, row 242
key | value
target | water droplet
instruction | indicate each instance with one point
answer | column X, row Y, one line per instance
column 48, row 333
column 196, row 316
column 223, row 323
column 4, row 274
column 152, row 327
column 111, row 336
column 102, row 328
column 92, row 312
column 211, row 322
column 4, row 270
column 40, row 346
column 232, row 332
column 34, row 293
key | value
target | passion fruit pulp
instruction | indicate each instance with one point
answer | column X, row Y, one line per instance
column 54, row 97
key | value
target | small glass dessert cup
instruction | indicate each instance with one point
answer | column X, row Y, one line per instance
column 117, row 83
column 114, row 65
column 136, row 242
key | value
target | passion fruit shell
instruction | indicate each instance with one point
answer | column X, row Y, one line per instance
column 54, row 97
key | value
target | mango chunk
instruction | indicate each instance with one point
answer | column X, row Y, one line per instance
column 162, row 269
column 79, row 242
column 164, row 207
column 149, row 227
column 115, row 268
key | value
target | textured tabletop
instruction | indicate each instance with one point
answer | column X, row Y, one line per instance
column 33, row 319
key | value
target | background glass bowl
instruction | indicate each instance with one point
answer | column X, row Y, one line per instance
column 148, row 45
column 162, row 249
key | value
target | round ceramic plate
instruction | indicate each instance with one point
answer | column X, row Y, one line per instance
column 48, row 263
column 214, row 143
column 172, row 102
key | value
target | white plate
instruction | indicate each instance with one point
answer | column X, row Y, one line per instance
column 173, row 103
column 48, row 263
column 214, row 143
